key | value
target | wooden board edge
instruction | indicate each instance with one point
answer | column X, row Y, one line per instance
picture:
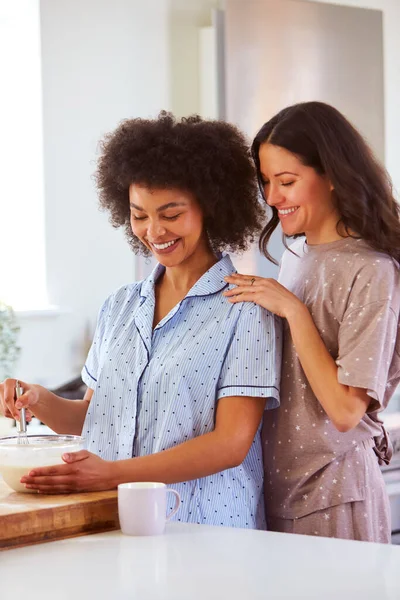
column 23, row 541
column 66, row 521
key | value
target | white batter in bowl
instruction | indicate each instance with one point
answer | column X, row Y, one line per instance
column 16, row 460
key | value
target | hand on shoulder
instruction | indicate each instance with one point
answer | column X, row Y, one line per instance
column 267, row 293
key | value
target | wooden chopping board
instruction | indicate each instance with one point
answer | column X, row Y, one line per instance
column 33, row 518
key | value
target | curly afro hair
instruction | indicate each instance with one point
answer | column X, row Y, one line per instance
column 209, row 159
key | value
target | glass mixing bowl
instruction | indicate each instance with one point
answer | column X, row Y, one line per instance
column 17, row 459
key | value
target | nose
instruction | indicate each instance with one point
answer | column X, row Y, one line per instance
column 155, row 229
column 273, row 195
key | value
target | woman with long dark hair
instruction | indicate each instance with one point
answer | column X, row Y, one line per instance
column 339, row 296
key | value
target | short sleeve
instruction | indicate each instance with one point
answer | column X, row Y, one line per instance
column 90, row 370
column 252, row 364
column 367, row 343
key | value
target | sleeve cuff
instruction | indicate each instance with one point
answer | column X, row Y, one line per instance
column 88, row 378
column 271, row 393
column 373, row 389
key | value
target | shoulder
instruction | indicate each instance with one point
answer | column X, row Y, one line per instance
column 357, row 254
column 294, row 251
column 370, row 279
column 291, row 260
column 297, row 246
column 255, row 316
column 120, row 297
column 127, row 292
column 375, row 270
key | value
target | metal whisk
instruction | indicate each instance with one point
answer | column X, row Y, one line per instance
column 21, row 424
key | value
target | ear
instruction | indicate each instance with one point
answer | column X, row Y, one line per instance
column 328, row 181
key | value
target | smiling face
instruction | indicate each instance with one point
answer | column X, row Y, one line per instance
column 169, row 222
column 302, row 197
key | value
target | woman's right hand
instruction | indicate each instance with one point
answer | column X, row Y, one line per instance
column 10, row 406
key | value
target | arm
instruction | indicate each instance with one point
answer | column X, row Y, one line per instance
column 237, row 421
column 60, row 414
column 344, row 405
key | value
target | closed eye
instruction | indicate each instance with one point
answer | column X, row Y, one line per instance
column 173, row 217
column 288, row 183
column 135, row 218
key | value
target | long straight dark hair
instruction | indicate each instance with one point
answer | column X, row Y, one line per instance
column 322, row 138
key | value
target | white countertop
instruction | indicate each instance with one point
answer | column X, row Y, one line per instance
column 193, row 562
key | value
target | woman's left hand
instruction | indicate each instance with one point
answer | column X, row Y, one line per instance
column 267, row 293
column 83, row 472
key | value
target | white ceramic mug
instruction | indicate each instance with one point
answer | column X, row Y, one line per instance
column 142, row 507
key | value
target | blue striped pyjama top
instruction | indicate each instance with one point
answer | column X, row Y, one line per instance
column 155, row 389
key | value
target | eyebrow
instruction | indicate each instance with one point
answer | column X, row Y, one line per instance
column 160, row 208
column 281, row 173
column 286, row 173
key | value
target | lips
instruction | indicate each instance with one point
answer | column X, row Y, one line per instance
column 287, row 212
column 165, row 247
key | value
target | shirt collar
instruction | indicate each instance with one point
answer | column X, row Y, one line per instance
column 211, row 282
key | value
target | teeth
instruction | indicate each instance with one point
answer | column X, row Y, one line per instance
column 287, row 211
column 164, row 246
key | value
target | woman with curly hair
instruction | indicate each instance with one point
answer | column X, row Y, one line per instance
column 177, row 380
column 339, row 295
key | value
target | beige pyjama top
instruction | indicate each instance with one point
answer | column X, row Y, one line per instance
column 353, row 294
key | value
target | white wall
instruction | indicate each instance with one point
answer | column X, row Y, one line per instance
column 391, row 50
column 185, row 19
column 102, row 61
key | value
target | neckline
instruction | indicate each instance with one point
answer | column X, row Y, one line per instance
column 325, row 247
column 211, row 282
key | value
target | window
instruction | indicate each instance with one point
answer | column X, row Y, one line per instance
column 22, row 232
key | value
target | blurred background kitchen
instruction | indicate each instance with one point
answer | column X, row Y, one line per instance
column 72, row 69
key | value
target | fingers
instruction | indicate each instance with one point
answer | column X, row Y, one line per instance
column 11, row 404
column 75, row 456
column 53, row 471
column 19, row 406
column 9, row 399
column 245, row 297
column 53, row 490
column 246, row 287
column 60, row 488
column 239, row 291
column 28, row 398
column 49, row 481
column 59, row 471
column 28, row 416
column 54, row 479
column 236, row 278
